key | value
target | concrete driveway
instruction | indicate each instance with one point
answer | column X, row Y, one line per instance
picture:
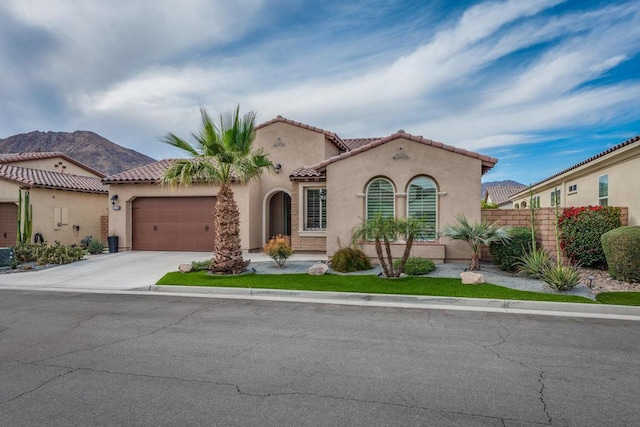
column 119, row 271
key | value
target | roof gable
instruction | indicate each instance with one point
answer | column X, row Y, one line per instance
column 330, row 136
column 501, row 194
column 36, row 155
column 150, row 173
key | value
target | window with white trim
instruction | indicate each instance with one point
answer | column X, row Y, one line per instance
column 315, row 215
column 422, row 198
column 603, row 190
column 555, row 198
column 380, row 199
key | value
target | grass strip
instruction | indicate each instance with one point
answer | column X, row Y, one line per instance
column 370, row 284
column 619, row 298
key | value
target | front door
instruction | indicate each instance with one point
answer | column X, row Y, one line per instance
column 279, row 215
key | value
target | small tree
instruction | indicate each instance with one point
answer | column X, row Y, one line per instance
column 279, row 249
column 476, row 235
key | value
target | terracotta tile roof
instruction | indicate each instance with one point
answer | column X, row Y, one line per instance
column 354, row 143
column 501, row 194
column 487, row 162
column 330, row 136
column 151, row 172
column 21, row 157
column 305, row 172
column 630, row 141
column 55, row 180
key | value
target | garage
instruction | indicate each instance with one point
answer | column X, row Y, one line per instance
column 173, row 224
column 8, row 224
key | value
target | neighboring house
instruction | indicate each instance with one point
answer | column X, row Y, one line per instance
column 500, row 195
column 68, row 197
column 323, row 188
column 610, row 178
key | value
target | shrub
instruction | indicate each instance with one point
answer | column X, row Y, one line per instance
column 580, row 232
column 416, row 266
column 279, row 249
column 95, row 247
column 200, row 265
column 41, row 253
column 534, row 263
column 507, row 254
column 349, row 259
column 622, row 249
column 560, row 276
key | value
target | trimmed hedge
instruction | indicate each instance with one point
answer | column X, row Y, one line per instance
column 507, row 255
column 580, row 232
column 416, row 266
column 622, row 249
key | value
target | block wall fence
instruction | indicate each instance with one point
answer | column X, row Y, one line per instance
column 543, row 224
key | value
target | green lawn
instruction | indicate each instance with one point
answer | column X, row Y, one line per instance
column 619, row 298
column 431, row 286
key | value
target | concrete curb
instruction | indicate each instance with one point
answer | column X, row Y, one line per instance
column 564, row 309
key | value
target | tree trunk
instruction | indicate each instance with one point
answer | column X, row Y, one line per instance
column 227, row 257
column 405, row 255
column 475, row 262
column 387, row 247
column 385, row 269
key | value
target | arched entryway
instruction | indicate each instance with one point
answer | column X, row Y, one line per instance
column 278, row 214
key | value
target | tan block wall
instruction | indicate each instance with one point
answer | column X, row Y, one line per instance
column 544, row 228
column 104, row 229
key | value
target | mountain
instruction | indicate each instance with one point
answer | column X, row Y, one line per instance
column 505, row 183
column 86, row 147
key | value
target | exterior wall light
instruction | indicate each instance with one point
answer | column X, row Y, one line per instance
column 277, row 167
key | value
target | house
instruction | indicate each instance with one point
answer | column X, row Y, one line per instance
column 610, row 178
column 68, row 197
column 323, row 187
column 500, row 195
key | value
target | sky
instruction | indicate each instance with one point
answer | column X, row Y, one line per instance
column 540, row 85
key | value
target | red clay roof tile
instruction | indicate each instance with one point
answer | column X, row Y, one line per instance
column 56, row 180
column 37, row 155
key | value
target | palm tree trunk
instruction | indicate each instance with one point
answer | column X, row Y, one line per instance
column 475, row 262
column 385, row 269
column 387, row 247
column 227, row 256
column 405, row 255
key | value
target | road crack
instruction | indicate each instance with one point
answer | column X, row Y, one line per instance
column 71, row 370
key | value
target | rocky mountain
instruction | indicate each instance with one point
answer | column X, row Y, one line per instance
column 86, row 147
column 505, row 183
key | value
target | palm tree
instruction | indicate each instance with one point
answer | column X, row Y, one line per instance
column 476, row 235
column 222, row 153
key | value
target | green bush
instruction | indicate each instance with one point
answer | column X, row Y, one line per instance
column 349, row 259
column 200, row 265
column 534, row 263
column 622, row 249
column 41, row 253
column 580, row 232
column 507, row 254
column 95, row 247
column 416, row 266
column 562, row 277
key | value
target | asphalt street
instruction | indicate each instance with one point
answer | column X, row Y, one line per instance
column 70, row 359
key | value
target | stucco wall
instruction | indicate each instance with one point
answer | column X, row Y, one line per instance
column 56, row 164
column 302, row 241
column 457, row 177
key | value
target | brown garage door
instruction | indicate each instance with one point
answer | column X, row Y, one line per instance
column 8, row 224
column 173, row 223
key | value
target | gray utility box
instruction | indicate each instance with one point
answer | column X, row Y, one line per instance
column 6, row 257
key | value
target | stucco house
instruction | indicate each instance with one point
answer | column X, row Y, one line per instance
column 324, row 187
column 500, row 195
column 610, row 178
column 67, row 196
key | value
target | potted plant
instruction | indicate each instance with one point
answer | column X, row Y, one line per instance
column 112, row 239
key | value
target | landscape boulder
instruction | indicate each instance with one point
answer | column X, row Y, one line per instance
column 319, row 269
column 184, row 268
column 471, row 278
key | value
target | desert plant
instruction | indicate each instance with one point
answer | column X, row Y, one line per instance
column 25, row 218
column 417, row 266
column 622, row 250
column 95, row 247
column 222, row 153
column 200, row 265
column 41, row 253
column 534, row 262
column 476, row 235
column 506, row 254
column 279, row 249
column 560, row 276
column 580, row 231
column 350, row 259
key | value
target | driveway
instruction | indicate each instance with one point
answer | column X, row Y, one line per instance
column 120, row 271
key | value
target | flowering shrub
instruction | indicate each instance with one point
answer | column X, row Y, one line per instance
column 279, row 249
column 580, row 232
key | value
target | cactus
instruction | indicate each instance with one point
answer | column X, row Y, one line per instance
column 25, row 218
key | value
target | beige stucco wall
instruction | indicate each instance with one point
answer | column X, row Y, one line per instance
column 120, row 220
column 457, row 177
column 623, row 168
column 55, row 164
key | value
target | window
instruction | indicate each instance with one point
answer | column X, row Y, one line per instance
column 315, row 218
column 422, row 199
column 536, row 202
column 603, row 190
column 573, row 188
column 380, row 199
column 524, row 204
column 555, row 198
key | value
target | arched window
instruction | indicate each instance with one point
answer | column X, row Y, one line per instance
column 523, row 204
column 422, row 198
column 380, row 199
column 516, row 206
